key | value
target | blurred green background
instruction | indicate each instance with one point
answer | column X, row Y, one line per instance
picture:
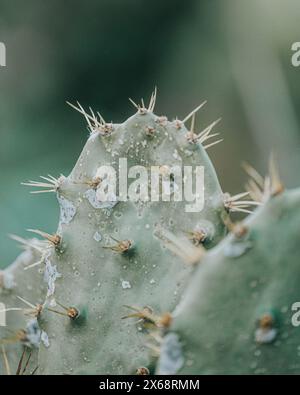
column 234, row 53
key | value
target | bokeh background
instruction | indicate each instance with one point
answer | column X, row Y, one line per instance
column 234, row 53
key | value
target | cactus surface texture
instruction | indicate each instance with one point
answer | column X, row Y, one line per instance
column 110, row 258
column 135, row 285
column 236, row 316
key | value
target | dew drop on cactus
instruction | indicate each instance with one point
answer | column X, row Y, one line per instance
column 172, row 355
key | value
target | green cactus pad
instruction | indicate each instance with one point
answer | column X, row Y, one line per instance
column 236, row 316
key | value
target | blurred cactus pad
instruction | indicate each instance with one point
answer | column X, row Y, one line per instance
column 156, row 285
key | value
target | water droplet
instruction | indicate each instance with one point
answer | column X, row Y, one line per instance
column 7, row 280
column 97, row 236
column 45, row 339
column 126, row 284
column 52, row 303
column 33, row 333
column 236, row 248
column 172, row 358
column 50, row 276
column 118, row 214
column 265, row 335
column 91, row 195
column 67, row 210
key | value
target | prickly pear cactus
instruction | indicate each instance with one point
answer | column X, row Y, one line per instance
column 114, row 255
column 236, row 315
column 119, row 261
column 22, row 292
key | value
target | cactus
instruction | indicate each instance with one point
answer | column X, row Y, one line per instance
column 108, row 257
column 236, row 315
column 114, row 268
column 19, row 288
